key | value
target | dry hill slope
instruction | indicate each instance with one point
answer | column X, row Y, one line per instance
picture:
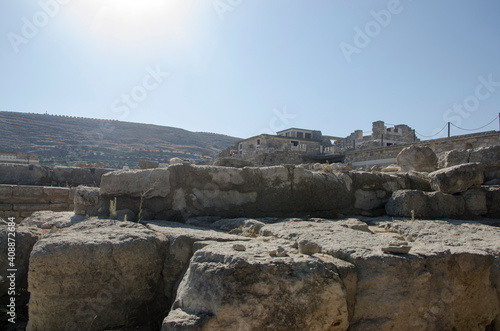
column 61, row 140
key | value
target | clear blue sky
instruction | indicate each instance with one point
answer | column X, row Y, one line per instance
column 243, row 67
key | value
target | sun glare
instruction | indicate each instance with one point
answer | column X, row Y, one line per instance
column 135, row 20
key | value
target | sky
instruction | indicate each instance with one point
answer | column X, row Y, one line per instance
column 246, row 67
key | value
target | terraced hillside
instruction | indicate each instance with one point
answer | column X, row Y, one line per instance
column 62, row 140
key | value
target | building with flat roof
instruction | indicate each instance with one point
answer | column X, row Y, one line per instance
column 295, row 145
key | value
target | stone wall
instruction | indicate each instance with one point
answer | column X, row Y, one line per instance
column 24, row 174
column 387, row 155
column 186, row 190
column 21, row 201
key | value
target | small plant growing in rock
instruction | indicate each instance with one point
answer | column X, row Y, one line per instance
column 252, row 233
column 112, row 208
column 143, row 195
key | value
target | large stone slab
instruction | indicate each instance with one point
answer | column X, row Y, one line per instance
column 372, row 190
column 425, row 204
column 181, row 239
column 417, row 158
column 136, row 183
column 98, row 274
column 24, row 238
column 229, row 289
column 452, row 158
column 50, row 219
column 24, row 174
column 75, row 176
column 458, row 178
column 183, row 190
column 88, row 202
column 444, row 283
column 487, row 156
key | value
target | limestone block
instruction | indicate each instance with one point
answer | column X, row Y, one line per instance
column 31, row 194
column 25, row 238
column 425, row 204
column 372, row 190
column 88, row 201
column 56, row 194
column 5, row 193
column 181, row 239
column 453, row 158
column 475, row 202
column 134, row 183
column 226, row 289
column 487, row 156
column 492, row 200
column 74, row 176
column 47, row 219
column 111, row 274
column 458, row 178
column 23, row 174
column 443, row 284
column 417, row 158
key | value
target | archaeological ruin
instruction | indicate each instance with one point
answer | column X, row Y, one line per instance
column 395, row 237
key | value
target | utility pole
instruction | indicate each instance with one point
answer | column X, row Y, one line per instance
column 448, row 129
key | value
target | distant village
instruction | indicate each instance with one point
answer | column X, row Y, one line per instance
column 302, row 146
column 296, row 145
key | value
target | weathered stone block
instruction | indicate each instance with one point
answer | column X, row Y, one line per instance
column 487, row 156
column 417, row 158
column 73, row 176
column 492, row 200
column 88, row 201
column 31, row 207
column 225, row 289
column 452, row 158
column 372, row 190
column 24, row 238
column 5, row 193
column 33, row 194
column 475, row 202
column 137, row 183
column 56, row 194
column 458, row 178
column 98, row 273
column 23, row 174
column 425, row 204
column 181, row 239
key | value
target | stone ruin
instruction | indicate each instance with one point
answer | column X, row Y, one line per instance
column 271, row 248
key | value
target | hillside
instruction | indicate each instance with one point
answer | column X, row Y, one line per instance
column 62, row 140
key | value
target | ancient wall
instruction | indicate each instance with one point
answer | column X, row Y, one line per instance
column 387, row 155
column 21, row 201
column 24, row 174
column 182, row 191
